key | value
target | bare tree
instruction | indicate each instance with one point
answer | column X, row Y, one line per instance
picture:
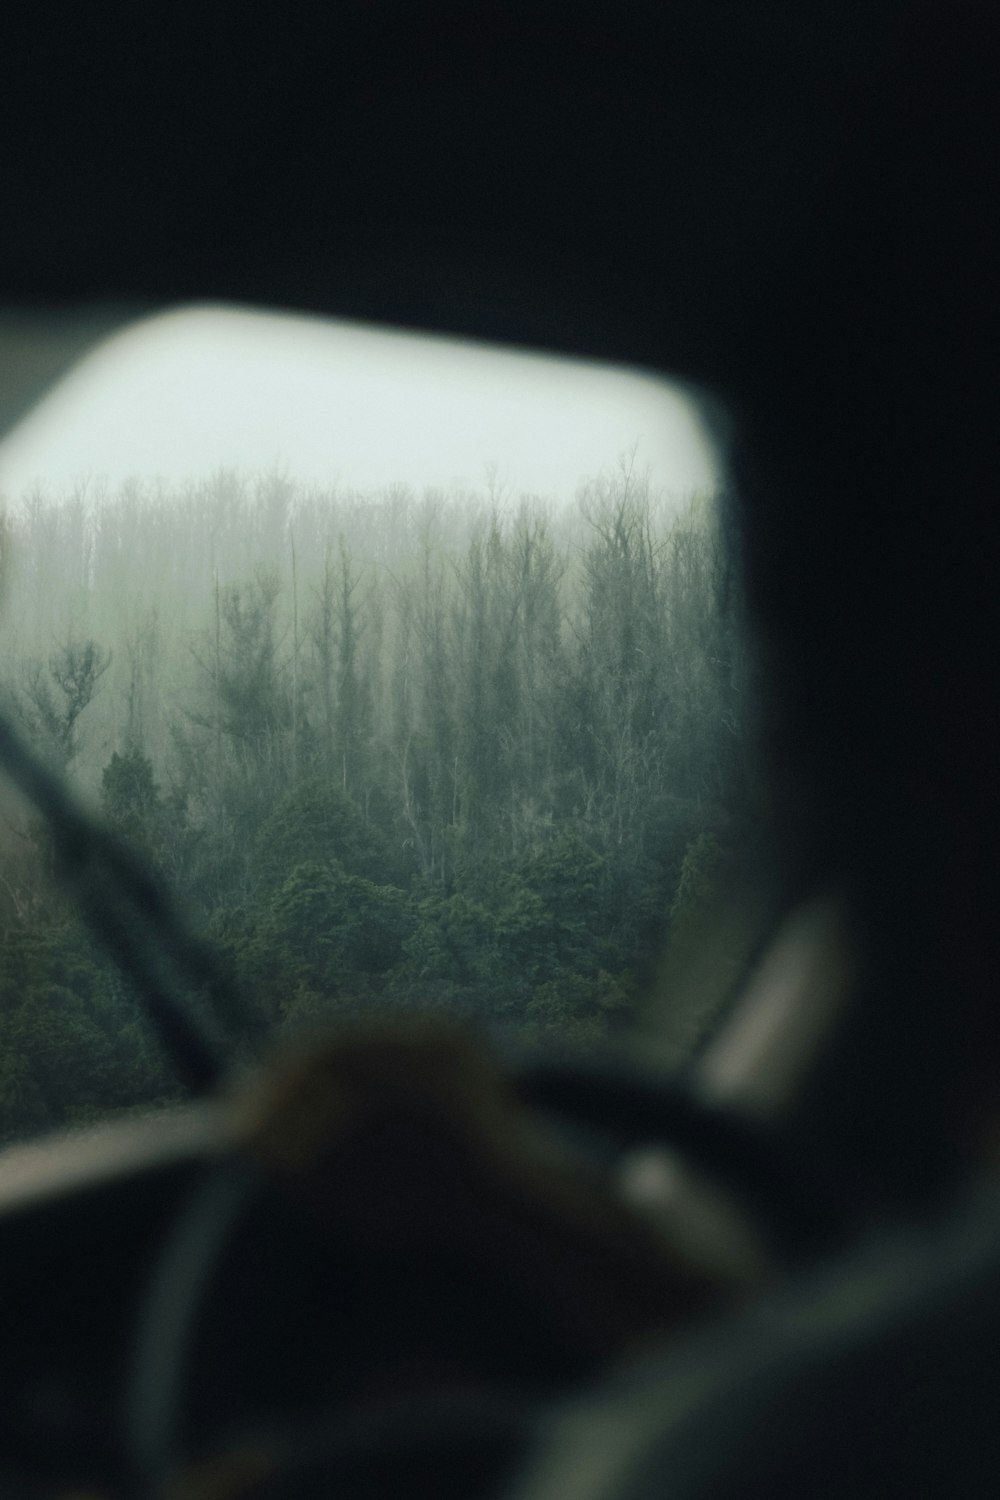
column 54, row 696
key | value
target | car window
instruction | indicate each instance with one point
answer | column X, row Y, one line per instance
column 414, row 669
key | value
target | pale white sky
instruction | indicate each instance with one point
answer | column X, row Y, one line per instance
column 182, row 394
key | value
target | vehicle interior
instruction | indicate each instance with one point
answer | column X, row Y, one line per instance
column 403, row 1257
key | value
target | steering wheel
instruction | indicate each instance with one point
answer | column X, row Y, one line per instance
column 294, row 1168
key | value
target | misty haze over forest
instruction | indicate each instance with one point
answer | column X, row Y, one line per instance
column 453, row 750
column 186, row 393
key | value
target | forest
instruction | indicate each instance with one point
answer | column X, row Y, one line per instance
column 460, row 751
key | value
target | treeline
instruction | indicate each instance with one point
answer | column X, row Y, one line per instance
column 393, row 751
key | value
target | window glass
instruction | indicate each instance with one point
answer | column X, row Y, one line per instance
column 413, row 669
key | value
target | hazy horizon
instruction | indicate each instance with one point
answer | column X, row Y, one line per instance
column 179, row 396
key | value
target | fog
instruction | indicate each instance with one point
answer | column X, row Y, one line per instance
column 180, row 395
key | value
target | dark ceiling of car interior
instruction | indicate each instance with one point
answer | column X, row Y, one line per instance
column 628, row 181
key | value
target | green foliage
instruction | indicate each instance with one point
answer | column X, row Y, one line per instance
column 579, row 1008
column 452, row 957
column 317, row 822
column 71, row 1043
column 702, row 879
column 322, row 944
column 130, row 796
column 337, row 926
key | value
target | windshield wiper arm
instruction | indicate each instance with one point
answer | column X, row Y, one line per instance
column 130, row 912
